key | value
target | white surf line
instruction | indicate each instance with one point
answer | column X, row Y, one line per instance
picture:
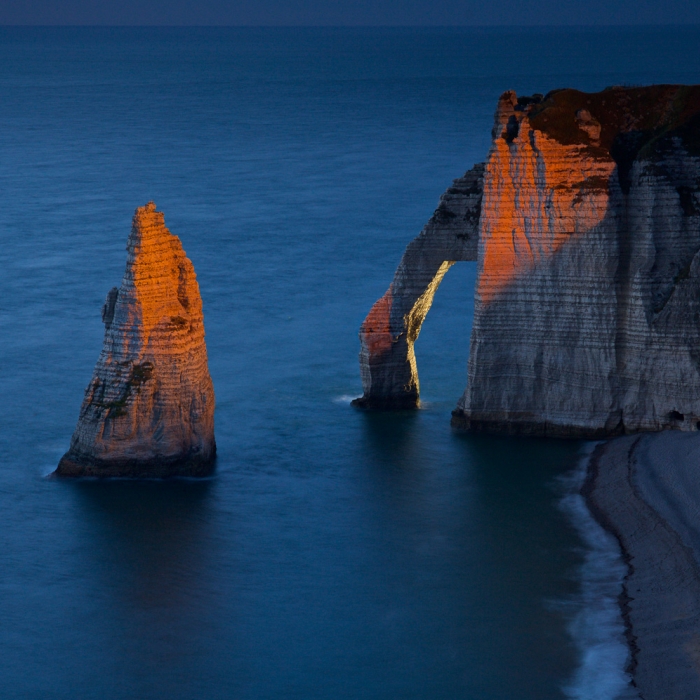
column 596, row 624
column 346, row 398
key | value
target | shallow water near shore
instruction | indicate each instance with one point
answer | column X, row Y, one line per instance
column 595, row 623
column 335, row 553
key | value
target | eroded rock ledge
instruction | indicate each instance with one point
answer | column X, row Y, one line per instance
column 149, row 408
column 587, row 302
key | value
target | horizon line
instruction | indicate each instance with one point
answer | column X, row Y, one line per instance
column 656, row 25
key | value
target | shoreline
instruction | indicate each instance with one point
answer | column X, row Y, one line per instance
column 645, row 490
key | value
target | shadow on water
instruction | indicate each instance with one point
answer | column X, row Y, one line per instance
column 149, row 536
column 515, row 461
column 473, row 522
column 140, row 560
column 529, row 546
column 390, row 434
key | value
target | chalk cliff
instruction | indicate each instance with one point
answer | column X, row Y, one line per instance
column 587, row 302
column 149, row 408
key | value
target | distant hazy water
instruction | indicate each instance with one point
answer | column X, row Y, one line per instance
column 335, row 554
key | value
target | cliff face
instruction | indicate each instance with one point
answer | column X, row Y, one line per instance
column 587, row 306
column 587, row 313
column 149, row 408
column 387, row 360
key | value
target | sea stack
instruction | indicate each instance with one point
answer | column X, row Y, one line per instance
column 587, row 300
column 149, row 408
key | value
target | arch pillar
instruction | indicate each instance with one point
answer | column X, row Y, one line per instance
column 387, row 335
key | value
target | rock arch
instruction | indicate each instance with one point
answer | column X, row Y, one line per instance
column 387, row 335
column 587, row 301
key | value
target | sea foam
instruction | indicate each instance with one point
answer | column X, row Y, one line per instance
column 346, row 398
column 596, row 624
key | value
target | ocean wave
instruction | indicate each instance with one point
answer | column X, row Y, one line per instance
column 595, row 624
column 346, row 398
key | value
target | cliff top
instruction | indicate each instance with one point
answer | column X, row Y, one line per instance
column 622, row 122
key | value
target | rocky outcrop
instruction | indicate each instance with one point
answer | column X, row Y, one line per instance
column 149, row 408
column 587, row 303
column 387, row 336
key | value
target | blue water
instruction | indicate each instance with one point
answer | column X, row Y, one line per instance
column 335, row 554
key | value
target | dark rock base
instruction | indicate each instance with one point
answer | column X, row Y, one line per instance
column 387, row 403
column 523, row 426
column 192, row 464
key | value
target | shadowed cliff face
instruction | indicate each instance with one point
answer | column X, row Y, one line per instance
column 587, row 304
column 149, row 408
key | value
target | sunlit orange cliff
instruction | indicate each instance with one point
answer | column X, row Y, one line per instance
column 585, row 225
column 149, row 408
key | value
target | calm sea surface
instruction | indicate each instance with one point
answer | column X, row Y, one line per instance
column 335, row 554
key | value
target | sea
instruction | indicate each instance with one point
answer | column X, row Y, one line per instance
column 335, row 554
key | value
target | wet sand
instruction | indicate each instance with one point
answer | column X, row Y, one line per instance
column 645, row 489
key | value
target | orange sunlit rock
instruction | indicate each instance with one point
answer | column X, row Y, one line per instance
column 538, row 194
column 149, row 408
column 376, row 329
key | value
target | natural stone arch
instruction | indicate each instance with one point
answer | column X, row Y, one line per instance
column 387, row 358
column 587, row 297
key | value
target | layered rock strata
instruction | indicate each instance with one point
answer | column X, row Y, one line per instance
column 149, row 408
column 387, row 336
column 587, row 303
column 587, row 307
